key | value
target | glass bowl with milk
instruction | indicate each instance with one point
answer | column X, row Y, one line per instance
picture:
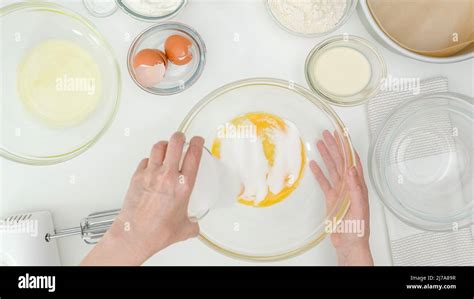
column 345, row 70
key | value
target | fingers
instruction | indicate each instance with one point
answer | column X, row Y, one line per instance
column 319, row 175
column 157, row 154
column 360, row 172
column 174, row 150
column 328, row 161
column 334, row 150
column 192, row 159
column 355, row 187
column 142, row 165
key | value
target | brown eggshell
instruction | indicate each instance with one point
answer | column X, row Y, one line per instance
column 150, row 57
column 177, row 49
column 165, row 58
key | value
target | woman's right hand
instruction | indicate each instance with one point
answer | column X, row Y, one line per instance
column 155, row 211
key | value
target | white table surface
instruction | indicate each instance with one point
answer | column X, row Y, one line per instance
column 97, row 179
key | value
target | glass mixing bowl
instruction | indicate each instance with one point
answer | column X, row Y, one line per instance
column 421, row 162
column 24, row 138
column 299, row 221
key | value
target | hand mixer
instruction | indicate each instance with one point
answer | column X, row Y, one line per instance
column 91, row 228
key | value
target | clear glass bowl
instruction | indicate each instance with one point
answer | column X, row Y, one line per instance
column 350, row 7
column 421, row 162
column 149, row 18
column 177, row 77
column 377, row 66
column 91, row 6
column 298, row 222
column 24, row 138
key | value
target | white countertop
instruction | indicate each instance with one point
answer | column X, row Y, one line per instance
column 98, row 179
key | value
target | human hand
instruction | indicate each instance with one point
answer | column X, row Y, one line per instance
column 352, row 247
column 155, row 211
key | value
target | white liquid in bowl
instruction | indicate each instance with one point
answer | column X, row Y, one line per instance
column 341, row 71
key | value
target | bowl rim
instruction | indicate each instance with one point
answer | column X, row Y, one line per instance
column 401, row 213
column 91, row 10
column 145, row 18
column 338, row 212
column 347, row 14
column 345, row 38
column 54, row 159
column 170, row 25
column 400, row 50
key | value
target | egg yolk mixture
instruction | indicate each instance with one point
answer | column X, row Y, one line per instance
column 270, row 164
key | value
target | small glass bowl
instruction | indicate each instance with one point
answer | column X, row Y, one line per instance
column 377, row 66
column 89, row 5
column 178, row 77
column 350, row 7
column 148, row 18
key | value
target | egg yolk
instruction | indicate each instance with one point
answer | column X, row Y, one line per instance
column 265, row 124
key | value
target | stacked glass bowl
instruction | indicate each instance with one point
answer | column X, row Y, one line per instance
column 421, row 162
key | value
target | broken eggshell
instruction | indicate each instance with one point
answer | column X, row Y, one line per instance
column 177, row 48
column 150, row 66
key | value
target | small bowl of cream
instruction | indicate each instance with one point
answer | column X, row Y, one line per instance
column 345, row 70
column 152, row 10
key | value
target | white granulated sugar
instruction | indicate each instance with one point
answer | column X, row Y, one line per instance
column 247, row 159
column 287, row 161
column 308, row 16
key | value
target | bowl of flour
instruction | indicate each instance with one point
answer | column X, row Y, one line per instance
column 310, row 18
column 152, row 10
